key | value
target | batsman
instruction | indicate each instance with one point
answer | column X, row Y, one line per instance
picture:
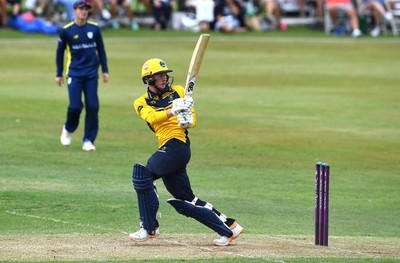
column 170, row 114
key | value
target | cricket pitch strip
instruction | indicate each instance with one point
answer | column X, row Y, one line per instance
column 189, row 246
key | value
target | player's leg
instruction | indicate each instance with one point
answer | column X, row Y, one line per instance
column 170, row 164
column 187, row 204
column 92, row 109
column 74, row 110
column 147, row 202
column 75, row 87
column 157, row 166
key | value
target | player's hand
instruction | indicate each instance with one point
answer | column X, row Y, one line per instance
column 185, row 119
column 181, row 104
column 178, row 105
column 59, row 81
column 106, row 77
column 189, row 103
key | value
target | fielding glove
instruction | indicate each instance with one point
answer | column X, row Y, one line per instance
column 185, row 119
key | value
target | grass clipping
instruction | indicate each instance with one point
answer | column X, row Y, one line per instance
column 189, row 246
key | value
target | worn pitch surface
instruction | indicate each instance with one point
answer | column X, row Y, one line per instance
column 189, row 246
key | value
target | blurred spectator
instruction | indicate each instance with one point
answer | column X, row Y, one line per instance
column 377, row 7
column 162, row 11
column 3, row 13
column 15, row 7
column 229, row 16
column 41, row 8
column 68, row 7
column 319, row 8
column 27, row 22
column 99, row 9
column 394, row 6
column 204, row 10
column 302, row 7
column 273, row 14
column 180, row 5
column 147, row 4
column 126, row 5
column 252, row 15
column 336, row 6
column 15, row 10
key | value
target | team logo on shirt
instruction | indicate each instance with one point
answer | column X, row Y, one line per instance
column 90, row 35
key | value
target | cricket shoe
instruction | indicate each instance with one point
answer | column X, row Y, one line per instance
column 88, row 146
column 66, row 137
column 142, row 235
column 224, row 241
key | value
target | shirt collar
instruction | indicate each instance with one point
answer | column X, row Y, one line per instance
column 152, row 94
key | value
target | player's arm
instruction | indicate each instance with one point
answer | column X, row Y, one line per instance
column 153, row 116
column 102, row 52
column 61, row 46
column 150, row 114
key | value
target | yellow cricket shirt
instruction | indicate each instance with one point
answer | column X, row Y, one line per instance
column 152, row 107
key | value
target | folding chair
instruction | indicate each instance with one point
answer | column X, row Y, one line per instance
column 393, row 6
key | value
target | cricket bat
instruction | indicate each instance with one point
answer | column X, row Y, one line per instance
column 195, row 64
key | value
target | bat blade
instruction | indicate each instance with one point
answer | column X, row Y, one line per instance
column 195, row 63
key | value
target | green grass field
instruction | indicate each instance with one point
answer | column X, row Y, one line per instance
column 269, row 107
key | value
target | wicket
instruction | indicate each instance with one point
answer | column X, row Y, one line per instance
column 321, row 203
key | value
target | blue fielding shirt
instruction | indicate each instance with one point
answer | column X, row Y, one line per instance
column 85, row 50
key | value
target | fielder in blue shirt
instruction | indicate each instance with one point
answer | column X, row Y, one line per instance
column 85, row 53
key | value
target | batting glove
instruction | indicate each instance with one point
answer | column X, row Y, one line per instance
column 178, row 105
column 189, row 103
column 185, row 119
column 182, row 104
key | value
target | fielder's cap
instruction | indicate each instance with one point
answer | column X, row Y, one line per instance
column 82, row 3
